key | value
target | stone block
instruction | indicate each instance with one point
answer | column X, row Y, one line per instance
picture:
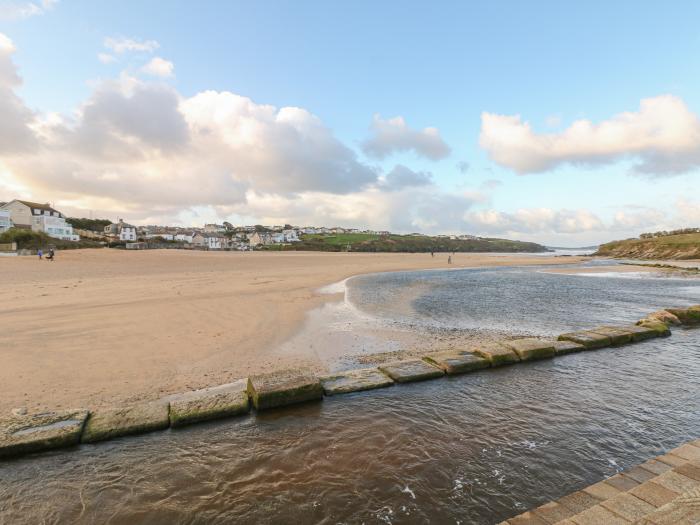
column 687, row 451
column 283, row 388
column 590, row 340
column 578, row 501
column 137, row 419
column 617, row 336
column 497, row 354
column 687, row 316
column 676, row 482
column 531, row 348
column 628, row 506
column 655, row 466
column 622, row 482
column 552, row 512
column 208, row 403
column 602, row 490
column 23, row 434
column 566, row 347
column 639, row 474
column 685, row 510
column 689, row 470
column 411, row 370
column 527, row 518
column 653, row 493
column 671, row 459
column 598, row 515
column 639, row 333
column 665, row 317
column 660, row 328
column 457, row 361
column 354, row 381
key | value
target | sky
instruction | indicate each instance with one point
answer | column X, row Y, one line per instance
column 561, row 123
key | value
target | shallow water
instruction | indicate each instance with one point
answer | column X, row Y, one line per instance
column 472, row 449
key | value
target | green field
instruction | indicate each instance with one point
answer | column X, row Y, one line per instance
column 681, row 246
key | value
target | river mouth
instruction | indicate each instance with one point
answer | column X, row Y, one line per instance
column 477, row 448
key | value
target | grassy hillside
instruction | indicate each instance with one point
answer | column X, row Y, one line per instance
column 362, row 242
column 31, row 240
column 680, row 246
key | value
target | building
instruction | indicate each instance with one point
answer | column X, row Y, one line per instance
column 214, row 228
column 39, row 218
column 5, row 220
column 121, row 230
column 185, row 237
column 210, row 241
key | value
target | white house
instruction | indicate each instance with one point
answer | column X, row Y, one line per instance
column 184, row 237
column 291, row 236
column 5, row 220
column 127, row 232
column 39, row 218
column 210, row 241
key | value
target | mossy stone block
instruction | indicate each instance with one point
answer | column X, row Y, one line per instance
column 639, row 333
column 123, row 421
column 36, row 432
column 497, row 353
column 688, row 316
column 285, row 387
column 618, row 337
column 354, row 381
column 457, row 361
column 567, row 347
column 659, row 327
column 530, row 348
column 411, row 370
column 208, row 403
column 590, row 340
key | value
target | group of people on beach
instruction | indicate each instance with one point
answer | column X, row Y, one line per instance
column 449, row 257
column 49, row 256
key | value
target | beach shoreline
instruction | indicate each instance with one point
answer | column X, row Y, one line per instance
column 103, row 327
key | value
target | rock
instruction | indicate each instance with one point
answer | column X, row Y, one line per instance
column 285, row 387
column 566, row 347
column 354, row 381
column 590, row 340
column 689, row 315
column 123, row 421
column 664, row 317
column 411, row 370
column 21, row 411
column 660, row 328
column 638, row 333
column 457, row 361
column 497, row 354
column 208, row 403
column 617, row 336
column 33, row 433
column 531, row 348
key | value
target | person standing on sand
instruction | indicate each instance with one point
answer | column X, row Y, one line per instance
column 51, row 254
column 39, row 253
column 449, row 259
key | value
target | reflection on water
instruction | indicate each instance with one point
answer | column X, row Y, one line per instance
column 472, row 449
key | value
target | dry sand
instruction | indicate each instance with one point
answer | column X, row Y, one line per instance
column 99, row 327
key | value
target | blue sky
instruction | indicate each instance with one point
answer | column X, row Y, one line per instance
column 440, row 65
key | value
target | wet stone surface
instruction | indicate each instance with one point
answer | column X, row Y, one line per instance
column 618, row 337
column 411, row 370
column 354, row 381
column 22, row 434
column 282, row 388
column 208, row 403
column 115, row 422
column 531, row 348
column 497, row 354
column 458, row 361
column 590, row 340
column 567, row 347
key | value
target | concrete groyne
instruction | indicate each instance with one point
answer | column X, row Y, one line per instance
column 27, row 433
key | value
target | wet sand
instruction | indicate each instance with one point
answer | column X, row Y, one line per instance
column 99, row 327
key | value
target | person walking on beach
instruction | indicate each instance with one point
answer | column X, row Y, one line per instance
column 449, row 259
column 51, row 255
column 40, row 253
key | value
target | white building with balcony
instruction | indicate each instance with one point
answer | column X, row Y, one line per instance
column 39, row 218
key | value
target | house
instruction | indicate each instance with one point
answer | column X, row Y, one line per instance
column 291, row 235
column 39, row 218
column 214, row 228
column 121, row 230
column 210, row 241
column 185, row 237
column 5, row 220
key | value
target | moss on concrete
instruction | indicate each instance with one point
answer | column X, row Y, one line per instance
column 590, row 340
column 687, row 316
column 457, row 361
column 497, row 353
column 115, row 422
column 566, row 347
column 618, row 337
column 660, row 328
column 411, row 370
column 282, row 388
column 24, row 434
column 354, row 381
column 208, row 403
column 530, row 348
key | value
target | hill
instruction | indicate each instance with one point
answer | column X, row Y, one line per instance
column 363, row 242
column 673, row 246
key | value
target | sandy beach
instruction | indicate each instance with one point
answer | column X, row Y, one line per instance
column 98, row 327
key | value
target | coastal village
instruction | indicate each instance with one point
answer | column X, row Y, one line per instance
column 45, row 218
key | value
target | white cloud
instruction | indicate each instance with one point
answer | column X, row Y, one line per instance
column 663, row 136
column 159, row 67
column 15, row 132
column 394, row 135
column 535, row 220
column 123, row 45
column 106, row 58
column 402, row 177
column 10, row 10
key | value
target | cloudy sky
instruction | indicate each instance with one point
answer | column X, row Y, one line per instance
column 547, row 121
